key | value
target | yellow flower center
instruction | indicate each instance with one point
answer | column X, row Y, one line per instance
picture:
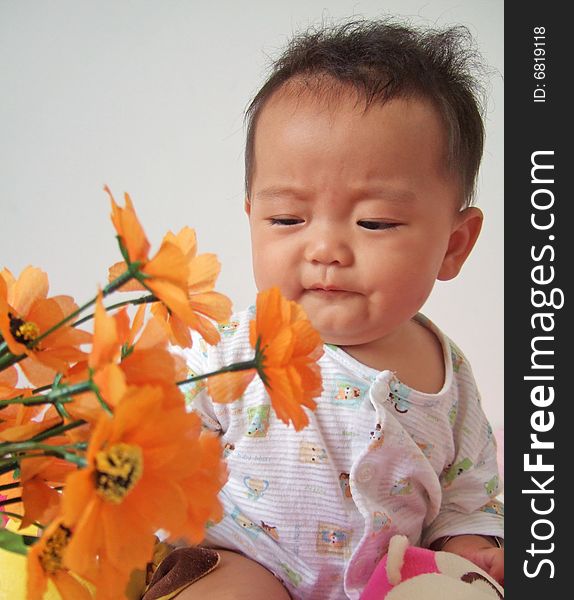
column 23, row 331
column 118, row 469
column 51, row 556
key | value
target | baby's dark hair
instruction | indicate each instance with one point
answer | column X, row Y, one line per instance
column 382, row 60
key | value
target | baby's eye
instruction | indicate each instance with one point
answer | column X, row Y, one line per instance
column 376, row 225
column 285, row 221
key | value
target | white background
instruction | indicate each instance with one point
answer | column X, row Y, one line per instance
column 148, row 97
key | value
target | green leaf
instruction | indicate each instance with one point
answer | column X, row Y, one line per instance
column 13, row 542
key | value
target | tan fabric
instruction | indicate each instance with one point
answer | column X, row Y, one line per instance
column 179, row 569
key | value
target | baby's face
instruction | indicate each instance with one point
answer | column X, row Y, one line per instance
column 350, row 212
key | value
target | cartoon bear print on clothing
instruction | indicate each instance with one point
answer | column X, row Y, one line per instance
column 333, row 540
column 255, row 487
column 381, row 521
column 258, row 419
column 452, row 413
column 292, row 575
column 310, row 452
column 377, row 437
column 344, row 482
column 228, row 329
column 348, row 393
column 228, row 449
column 425, row 447
column 398, row 396
column 246, row 524
column 194, row 388
column 492, row 486
column 270, row 530
column 454, row 471
column 456, row 357
column 402, row 487
column 494, row 507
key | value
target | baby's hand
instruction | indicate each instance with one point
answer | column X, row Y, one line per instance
column 479, row 551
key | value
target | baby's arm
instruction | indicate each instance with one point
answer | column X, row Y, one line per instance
column 470, row 515
column 483, row 551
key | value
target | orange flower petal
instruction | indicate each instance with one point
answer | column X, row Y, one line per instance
column 77, row 494
column 169, row 264
column 70, row 588
column 109, row 334
column 31, row 285
column 227, row 387
column 9, row 377
column 203, row 272
column 185, row 240
column 174, row 298
column 111, row 382
column 27, row 430
column 129, row 229
column 178, row 332
column 40, row 501
column 37, row 373
column 212, row 304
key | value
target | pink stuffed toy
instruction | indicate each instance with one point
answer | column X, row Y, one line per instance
column 410, row 573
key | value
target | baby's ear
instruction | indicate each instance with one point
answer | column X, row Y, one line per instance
column 464, row 234
column 247, row 206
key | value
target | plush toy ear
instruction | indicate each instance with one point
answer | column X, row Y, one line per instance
column 411, row 573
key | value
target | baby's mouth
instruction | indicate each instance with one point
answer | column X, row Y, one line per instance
column 328, row 291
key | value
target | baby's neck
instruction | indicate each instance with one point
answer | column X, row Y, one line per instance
column 414, row 353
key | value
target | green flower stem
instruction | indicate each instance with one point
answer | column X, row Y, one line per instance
column 240, row 366
column 11, row 501
column 57, row 430
column 9, row 486
column 12, row 447
column 7, row 465
column 141, row 300
column 102, row 402
column 31, row 401
column 8, row 359
column 12, row 515
column 21, row 518
column 13, row 462
column 58, row 395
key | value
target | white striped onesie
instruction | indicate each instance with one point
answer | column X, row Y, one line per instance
column 318, row 507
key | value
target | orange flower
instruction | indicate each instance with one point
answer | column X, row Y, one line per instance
column 203, row 486
column 45, row 562
column 287, row 350
column 203, row 272
column 165, row 275
column 26, row 313
column 118, row 359
column 138, row 462
column 291, row 349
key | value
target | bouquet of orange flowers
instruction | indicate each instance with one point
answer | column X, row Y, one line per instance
column 98, row 451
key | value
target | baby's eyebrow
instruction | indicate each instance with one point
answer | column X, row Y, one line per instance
column 273, row 192
column 390, row 194
column 387, row 193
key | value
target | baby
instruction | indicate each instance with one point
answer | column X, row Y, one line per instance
column 362, row 154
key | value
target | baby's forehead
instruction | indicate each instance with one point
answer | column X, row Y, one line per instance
column 339, row 133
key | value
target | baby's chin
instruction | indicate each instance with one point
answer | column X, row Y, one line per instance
column 344, row 339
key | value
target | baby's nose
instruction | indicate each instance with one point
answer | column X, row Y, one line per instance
column 329, row 249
